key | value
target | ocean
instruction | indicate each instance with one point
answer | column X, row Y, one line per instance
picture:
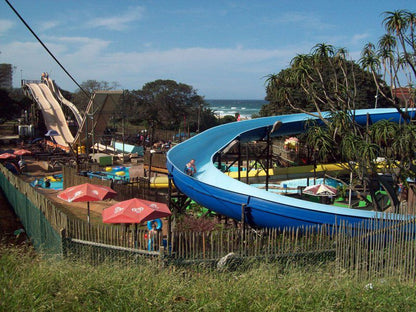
column 245, row 108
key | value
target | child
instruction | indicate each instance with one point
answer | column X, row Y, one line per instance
column 190, row 168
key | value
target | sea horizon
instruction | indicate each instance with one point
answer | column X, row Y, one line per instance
column 246, row 108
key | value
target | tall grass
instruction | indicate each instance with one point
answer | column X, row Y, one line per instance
column 31, row 283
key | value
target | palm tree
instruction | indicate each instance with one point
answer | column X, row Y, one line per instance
column 272, row 84
column 395, row 21
column 323, row 50
column 387, row 42
column 403, row 147
column 319, row 140
column 383, row 133
column 398, row 22
column 349, row 147
column 368, row 152
column 369, row 61
column 386, row 48
column 411, row 20
column 301, row 65
column 341, row 53
column 341, row 125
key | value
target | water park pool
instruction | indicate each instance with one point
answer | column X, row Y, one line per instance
column 110, row 173
column 225, row 168
column 56, row 182
column 119, row 173
column 291, row 186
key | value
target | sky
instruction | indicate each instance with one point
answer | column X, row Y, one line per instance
column 223, row 49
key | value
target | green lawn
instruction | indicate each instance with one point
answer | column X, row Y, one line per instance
column 31, row 283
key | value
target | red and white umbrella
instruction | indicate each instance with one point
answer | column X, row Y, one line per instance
column 135, row 211
column 320, row 190
column 7, row 156
column 22, row 152
column 85, row 193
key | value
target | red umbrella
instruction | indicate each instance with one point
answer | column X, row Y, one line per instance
column 320, row 190
column 85, row 193
column 135, row 211
column 21, row 152
column 7, row 156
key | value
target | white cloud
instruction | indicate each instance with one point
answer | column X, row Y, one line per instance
column 304, row 20
column 5, row 26
column 240, row 72
column 235, row 70
column 357, row 38
column 118, row 22
column 49, row 25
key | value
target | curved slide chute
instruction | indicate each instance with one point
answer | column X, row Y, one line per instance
column 222, row 194
column 54, row 88
column 100, row 108
column 52, row 112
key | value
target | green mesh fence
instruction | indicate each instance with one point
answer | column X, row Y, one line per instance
column 43, row 237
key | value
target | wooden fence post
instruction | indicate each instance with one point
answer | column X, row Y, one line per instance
column 162, row 254
column 243, row 228
column 64, row 244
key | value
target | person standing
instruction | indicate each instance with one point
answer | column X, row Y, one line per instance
column 22, row 165
column 153, row 237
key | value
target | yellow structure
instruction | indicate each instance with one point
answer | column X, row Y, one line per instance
column 292, row 172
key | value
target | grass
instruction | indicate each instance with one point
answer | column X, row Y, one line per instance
column 29, row 282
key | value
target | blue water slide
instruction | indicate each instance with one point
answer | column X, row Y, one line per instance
column 224, row 195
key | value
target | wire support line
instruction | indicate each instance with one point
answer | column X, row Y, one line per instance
column 46, row 48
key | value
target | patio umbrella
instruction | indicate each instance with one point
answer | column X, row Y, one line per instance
column 85, row 193
column 135, row 211
column 22, row 152
column 35, row 140
column 52, row 133
column 7, row 156
column 320, row 190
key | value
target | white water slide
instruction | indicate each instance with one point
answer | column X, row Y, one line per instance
column 52, row 112
column 54, row 88
column 101, row 107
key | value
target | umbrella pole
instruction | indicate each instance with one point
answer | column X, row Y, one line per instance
column 135, row 235
column 88, row 212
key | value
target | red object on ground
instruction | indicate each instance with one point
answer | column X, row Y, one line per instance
column 320, row 190
column 7, row 156
column 21, row 152
column 135, row 211
column 85, row 193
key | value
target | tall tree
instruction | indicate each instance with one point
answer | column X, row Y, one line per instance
column 395, row 59
column 80, row 99
column 323, row 80
column 13, row 102
column 168, row 104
